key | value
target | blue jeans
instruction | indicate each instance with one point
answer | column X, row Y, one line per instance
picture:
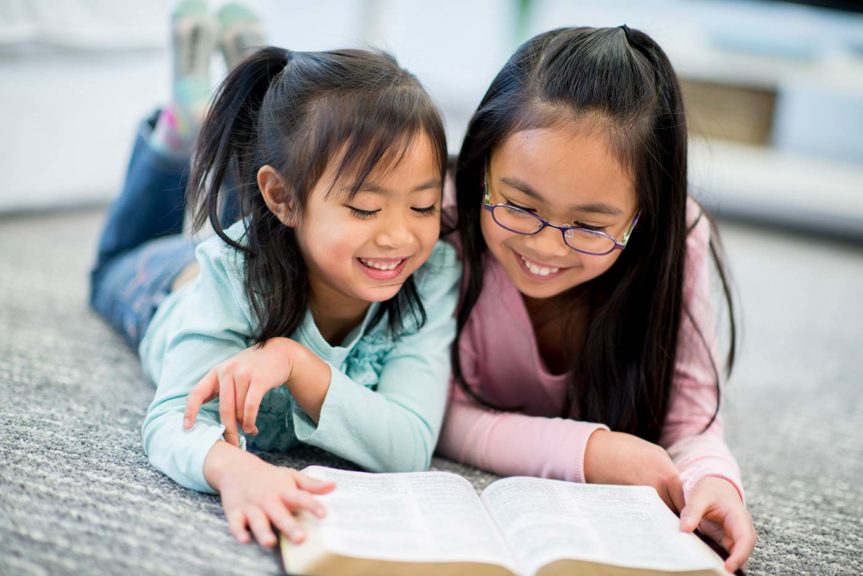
column 142, row 248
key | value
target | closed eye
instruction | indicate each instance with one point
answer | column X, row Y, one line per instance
column 363, row 214
column 525, row 208
column 589, row 227
column 426, row 211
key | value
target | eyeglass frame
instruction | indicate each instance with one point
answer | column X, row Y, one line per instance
column 618, row 245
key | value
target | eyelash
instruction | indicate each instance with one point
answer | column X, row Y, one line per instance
column 525, row 208
column 589, row 227
column 366, row 214
column 427, row 211
column 363, row 214
column 578, row 224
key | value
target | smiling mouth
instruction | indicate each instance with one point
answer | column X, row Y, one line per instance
column 536, row 270
column 382, row 268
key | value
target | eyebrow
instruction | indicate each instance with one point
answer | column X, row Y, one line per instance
column 527, row 190
column 374, row 188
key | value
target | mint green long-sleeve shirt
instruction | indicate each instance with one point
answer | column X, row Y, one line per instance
column 385, row 403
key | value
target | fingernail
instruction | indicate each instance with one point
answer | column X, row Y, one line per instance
column 187, row 423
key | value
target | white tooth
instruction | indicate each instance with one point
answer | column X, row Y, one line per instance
column 377, row 266
column 538, row 270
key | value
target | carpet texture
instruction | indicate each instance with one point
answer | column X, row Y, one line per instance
column 77, row 495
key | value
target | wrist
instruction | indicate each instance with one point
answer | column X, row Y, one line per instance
column 718, row 484
column 222, row 458
column 592, row 452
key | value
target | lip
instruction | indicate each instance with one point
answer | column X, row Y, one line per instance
column 377, row 274
column 531, row 275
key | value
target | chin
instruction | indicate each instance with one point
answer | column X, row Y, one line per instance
column 539, row 292
column 381, row 293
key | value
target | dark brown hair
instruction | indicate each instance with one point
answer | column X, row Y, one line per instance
column 297, row 111
column 622, row 80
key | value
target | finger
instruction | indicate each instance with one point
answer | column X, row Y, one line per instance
column 675, row 494
column 665, row 493
column 284, row 520
column 299, row 500
column 313, row 485
column 205, row 390
column 241, row 385
column 743, row 542
column 250, row 410
column 260, row 525
column 237, row 526
column 226, row 408
column 693, row 512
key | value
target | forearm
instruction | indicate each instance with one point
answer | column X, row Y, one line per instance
column 179, row 453
column 380, row 433
column 310, row 378
column 516, row 444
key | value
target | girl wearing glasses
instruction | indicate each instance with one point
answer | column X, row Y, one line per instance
column 586, row 347
column 327, row 308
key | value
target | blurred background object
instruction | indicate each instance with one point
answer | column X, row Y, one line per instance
column 774, row 89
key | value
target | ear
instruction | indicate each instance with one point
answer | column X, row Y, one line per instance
column 277, row 196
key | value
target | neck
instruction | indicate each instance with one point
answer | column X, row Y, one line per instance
column 561, row 307
column 335, row 315
column 559, row 327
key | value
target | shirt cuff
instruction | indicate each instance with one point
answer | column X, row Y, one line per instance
column 577, row 446
column 197, row 443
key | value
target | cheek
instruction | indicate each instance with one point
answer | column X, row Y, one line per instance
column 326, row 244
column 595, row 266
column 492, row 234
column 430, row 232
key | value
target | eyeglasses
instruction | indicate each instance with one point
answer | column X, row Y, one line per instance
column 580, row 239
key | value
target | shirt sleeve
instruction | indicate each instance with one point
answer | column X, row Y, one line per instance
column 396, row 426
column 508, row 443
column 697, row 452
column 209, row 324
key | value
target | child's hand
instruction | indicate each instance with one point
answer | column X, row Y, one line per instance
column 240, row 383
column 257, row 495
column 715, row 507
column 619, row 458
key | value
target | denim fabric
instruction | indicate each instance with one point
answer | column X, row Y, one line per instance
column 142, row 248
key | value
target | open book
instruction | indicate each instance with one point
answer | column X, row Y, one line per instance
column 434, row 523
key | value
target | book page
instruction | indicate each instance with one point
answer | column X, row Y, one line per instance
column 412, row 517
column 545, row 520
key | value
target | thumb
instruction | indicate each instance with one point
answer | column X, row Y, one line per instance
column 693, row 512
column 313, row 485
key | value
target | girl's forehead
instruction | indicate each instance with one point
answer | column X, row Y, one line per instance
column 563, row 165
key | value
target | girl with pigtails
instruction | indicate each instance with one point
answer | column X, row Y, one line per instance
column 320, row 312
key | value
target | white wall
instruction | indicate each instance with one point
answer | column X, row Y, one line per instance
column 75, row 76
column 72, row 94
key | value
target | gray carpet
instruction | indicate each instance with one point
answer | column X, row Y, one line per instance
column 77, row 495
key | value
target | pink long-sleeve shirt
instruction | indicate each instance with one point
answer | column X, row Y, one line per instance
column 501, row 361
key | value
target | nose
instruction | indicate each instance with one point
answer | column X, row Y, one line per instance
column 548, row 244
column 395, row 233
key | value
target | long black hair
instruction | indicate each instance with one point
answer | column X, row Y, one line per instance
column 620, row 78
column 296, row 112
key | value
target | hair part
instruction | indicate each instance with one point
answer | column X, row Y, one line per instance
column 298, row 112
column 620, row 81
